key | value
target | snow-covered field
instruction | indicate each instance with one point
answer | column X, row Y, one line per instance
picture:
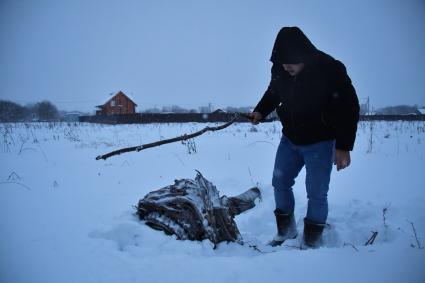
column 65, row 217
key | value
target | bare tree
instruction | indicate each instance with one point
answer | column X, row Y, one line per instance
column 46, row 111
column 11, row 112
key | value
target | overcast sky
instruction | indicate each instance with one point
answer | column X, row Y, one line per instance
column 191, row 53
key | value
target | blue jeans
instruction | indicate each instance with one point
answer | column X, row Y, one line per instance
column 318, row 160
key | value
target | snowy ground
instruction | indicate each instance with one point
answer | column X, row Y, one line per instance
column 65, row 217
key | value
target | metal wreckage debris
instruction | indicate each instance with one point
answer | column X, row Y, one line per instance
column 194, row 210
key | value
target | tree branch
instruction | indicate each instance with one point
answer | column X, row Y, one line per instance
column 180, row 138
column 353, row 246
column 416, row 236
column 372, row 238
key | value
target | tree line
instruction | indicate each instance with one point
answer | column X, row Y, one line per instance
column 398, row 110
column 40, row 111
column 201, row 109
column 47, row 111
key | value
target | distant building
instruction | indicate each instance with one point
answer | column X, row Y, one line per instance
column 117, row 103
column 71, row 116
column 421, row 111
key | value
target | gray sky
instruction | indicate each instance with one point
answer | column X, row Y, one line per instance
column 190, row 53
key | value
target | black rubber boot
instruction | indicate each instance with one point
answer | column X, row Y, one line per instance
column 313, row 233
column 286, row 228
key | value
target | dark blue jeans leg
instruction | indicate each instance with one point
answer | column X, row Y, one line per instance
column 288, row 164
column 318, row 159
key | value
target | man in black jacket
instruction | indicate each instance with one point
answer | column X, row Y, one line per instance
column 319, row 110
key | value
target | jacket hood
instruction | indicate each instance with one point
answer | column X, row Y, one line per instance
column 292, row 46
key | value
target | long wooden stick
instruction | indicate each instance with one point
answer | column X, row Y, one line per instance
column 180, row 138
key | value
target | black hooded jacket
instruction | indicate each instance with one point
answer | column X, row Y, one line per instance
column 318, row 104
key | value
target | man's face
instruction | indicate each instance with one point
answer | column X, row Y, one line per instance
column 293, row 69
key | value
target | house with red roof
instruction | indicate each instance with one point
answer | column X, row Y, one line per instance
column 117, row 103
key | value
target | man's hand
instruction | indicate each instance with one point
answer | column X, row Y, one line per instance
column 342, row 159
column 256, row 117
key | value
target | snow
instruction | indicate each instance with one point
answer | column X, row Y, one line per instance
column 66, row 217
